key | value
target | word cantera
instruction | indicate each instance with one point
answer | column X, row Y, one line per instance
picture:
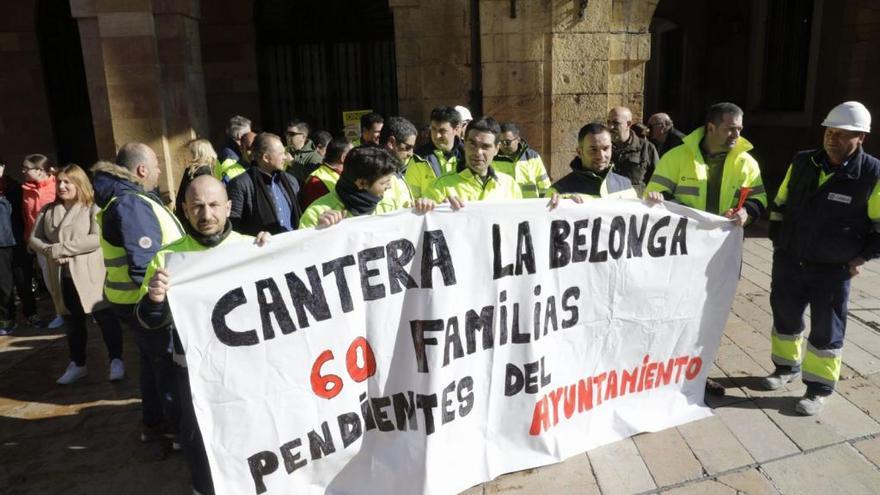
column 311, row 299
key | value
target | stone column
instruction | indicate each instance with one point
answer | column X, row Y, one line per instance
column 144, row 72
column 432, row 45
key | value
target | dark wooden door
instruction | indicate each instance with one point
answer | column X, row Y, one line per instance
column 317, row 59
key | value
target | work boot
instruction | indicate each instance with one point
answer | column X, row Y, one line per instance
column 714, row 388
column 779, row 379
column 810, row 404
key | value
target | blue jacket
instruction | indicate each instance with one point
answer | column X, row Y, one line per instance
column 129, row 222
column 427, row 153
column 231, row 151
column 11, row 224
column 828, row 223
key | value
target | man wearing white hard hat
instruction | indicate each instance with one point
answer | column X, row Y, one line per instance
column 824, row 224
column 466, row 119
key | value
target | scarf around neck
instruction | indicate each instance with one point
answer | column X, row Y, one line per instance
column 357, row 201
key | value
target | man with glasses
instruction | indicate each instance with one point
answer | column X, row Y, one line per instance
column 399, row 137
column 305, row 158
column 632, row 156
column 516, row 159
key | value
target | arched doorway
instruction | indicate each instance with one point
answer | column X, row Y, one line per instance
column 317, row 59
column 66, row 88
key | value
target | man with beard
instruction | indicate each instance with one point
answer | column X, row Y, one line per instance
column 711, row 171
column 592, row 172
column 207, row 209
column 633, row 156
column 475, row 179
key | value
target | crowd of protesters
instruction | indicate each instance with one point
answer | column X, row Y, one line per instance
column 100, row 243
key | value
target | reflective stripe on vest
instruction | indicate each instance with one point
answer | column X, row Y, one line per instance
column 786, row 349
column 119, row 288
column 228, row 169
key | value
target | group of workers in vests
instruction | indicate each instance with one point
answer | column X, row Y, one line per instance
column 825, row 221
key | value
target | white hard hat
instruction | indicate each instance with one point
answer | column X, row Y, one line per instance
column 464, row 112
column 850, row 116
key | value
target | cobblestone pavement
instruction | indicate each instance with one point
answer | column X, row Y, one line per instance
column 84, row 438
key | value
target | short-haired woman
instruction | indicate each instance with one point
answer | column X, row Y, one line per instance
column 66, row 232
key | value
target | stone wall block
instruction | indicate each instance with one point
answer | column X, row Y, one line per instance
column 512, row 79
column 111, row 6
column 626, row 77
column 519, row 47
column 126, row 24
column 571, row 77
column 442, row 49
column 581, row 46
column 532, row 16
column 134, row 101
column 132, row 51
column 564, row 17
column 520, row 109
column 446, row 81
column 628, row 46
column 581, row 108
column 632, row 16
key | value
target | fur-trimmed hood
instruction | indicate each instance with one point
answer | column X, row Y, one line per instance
column 111, row 180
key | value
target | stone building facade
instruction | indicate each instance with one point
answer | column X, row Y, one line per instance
column 165, row 71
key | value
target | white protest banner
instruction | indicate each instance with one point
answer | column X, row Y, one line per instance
column 407, row 354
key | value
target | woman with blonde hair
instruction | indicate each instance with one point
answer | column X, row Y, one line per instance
column 66, row 232
column 199, row 158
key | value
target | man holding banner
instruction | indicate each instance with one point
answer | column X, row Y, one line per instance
column 207, row 210
column 364, row 188
column 475, row 179
column 592, row 172
column 713, row 171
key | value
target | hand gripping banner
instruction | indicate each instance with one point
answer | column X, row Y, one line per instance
column 404, row 353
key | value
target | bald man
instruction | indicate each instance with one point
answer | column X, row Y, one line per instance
column 663, row 135
column 207, row 209
column 134, row 225
column 631, row 155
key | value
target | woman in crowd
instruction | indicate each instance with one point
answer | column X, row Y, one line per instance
column 66, row 232
column 37, row 191
column 199, row 158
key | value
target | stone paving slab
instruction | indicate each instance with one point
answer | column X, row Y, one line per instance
column 620, row 469
column 668, row 457
column 834, row 469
